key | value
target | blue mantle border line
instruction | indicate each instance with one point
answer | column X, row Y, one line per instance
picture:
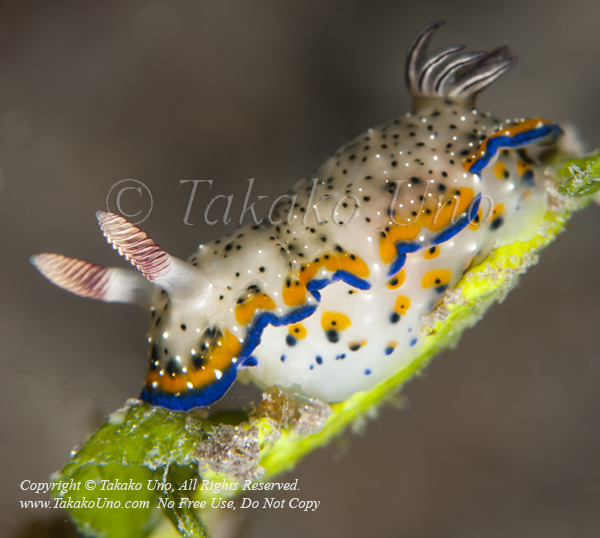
column 254, row 334
column 406, row 247
column 525, row 138
column 211, row 393
column 204, row 396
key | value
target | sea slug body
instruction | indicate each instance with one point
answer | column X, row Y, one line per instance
column 325, row 297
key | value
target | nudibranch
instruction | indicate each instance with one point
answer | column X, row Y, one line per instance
column 326, row 297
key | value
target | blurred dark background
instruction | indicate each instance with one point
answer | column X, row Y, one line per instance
column 499, row 438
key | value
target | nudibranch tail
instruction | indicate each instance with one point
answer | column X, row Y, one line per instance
column 450, row 73
column 94, row 281
column 178, row 278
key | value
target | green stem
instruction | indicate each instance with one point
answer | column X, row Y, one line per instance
column 582, row 176
column 184, row 519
